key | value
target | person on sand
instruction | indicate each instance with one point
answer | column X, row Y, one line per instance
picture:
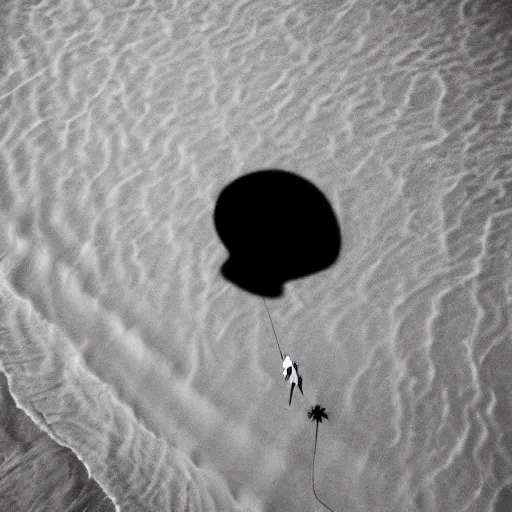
column 291, row 373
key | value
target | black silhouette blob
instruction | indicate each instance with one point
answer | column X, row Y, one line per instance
column 277, row 226
column 316, row 413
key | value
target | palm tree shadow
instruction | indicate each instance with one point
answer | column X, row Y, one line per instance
column 276, row 226
column 316, row 413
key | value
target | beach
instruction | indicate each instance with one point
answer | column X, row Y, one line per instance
column 134, row 376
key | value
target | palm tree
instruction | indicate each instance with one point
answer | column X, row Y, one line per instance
column 316, row 413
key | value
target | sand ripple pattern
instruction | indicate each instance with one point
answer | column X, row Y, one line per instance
column 121, row 121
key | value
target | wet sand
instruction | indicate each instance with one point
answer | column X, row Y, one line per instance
column 38, row 474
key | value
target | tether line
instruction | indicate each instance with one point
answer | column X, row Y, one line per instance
column 275, row 335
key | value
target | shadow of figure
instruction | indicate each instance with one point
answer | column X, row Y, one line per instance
column 277, row 226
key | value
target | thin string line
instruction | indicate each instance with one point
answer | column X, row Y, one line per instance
column 272, row 323
column 304, row 397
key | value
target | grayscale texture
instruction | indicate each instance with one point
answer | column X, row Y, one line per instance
column 121, row 122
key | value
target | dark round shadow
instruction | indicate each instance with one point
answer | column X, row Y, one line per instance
column 276, row 226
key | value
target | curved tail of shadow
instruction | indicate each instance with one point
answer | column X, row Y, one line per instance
column 313, row 472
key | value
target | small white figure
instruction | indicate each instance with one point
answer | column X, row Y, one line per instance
column 291, row 373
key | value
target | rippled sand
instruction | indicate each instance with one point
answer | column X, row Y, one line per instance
column 120, row 122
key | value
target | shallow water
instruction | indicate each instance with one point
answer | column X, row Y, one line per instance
column 121, row 122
